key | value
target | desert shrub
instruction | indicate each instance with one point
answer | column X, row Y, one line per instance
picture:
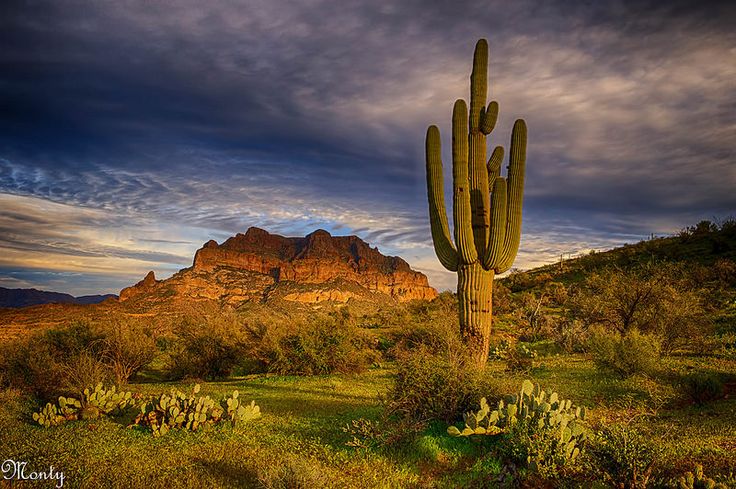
column 501, row 298
column 702, row 387
column 207, row 347
column 653, row 298
column 385, row 432
column 624, row 354
column 518, row 357
column 623, row 456
column 436, row 387
column 571, row 335
column 58, row 361
column 127, row 348
column 322, row 346
column 438, row 336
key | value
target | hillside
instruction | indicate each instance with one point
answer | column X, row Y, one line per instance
column 702, row 245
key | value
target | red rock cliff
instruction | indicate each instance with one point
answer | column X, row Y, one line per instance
column 316, row 258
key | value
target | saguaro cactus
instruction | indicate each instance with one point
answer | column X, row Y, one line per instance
column 486, row 206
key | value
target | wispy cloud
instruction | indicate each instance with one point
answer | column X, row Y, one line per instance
column 132, row 132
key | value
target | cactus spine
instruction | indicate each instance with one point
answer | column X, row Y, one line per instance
column 486, row 206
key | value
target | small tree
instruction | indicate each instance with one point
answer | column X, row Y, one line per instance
column 652, row 298
column 127, row 348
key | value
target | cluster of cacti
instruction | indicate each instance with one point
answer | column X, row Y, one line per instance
column 190, row 412
column 538, row 410
column 486, row 207
column 99, row 401
column 94, row 403
column 237, row 412
column 698, row 480
column 49, row 416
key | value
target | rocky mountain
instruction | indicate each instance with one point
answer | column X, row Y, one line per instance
column 33, row 297
column 265, row 267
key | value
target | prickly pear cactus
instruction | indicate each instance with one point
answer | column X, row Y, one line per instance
column 237, row 413
column 95, row 402
column 49, row 416
column 178, row 410
column 99, row 401
column 698, row 480
column 537, row 410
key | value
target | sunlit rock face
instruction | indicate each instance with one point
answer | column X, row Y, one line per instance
column 250, row 266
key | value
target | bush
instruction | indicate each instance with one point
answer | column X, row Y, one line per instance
column 652, row 298
column 571, row 335
column 702, row 387
column 207, row 347
column 439, row 337
column 625, row 355
column 437, row 387
column 623, row 456
column 326, row 345
column 127, row 348
column 58, row 361
column 518, row 357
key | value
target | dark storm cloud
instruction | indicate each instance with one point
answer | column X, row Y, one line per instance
column 292, row 116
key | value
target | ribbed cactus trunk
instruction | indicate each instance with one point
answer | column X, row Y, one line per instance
column 486, row 206
column 475, row 294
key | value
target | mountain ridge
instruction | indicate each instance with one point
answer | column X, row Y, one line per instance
column 249, row 266
column 13, row 298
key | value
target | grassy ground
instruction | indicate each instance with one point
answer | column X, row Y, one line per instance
column 299, row 441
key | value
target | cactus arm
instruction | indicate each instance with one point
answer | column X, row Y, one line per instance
column 443, row 246
column 460, row 181
column 488, row 118
column 517, row 166
column 494, row 166
column 478, row 84
column 498, row 224
column 479, row 198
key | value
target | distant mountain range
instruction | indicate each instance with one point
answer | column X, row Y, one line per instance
column 34, row 297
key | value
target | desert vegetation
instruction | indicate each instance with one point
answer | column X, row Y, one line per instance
column 616, row 369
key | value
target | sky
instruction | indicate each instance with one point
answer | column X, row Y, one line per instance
column 133, row 131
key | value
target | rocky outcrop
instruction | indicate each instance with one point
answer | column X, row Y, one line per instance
column 316, row 258
column 146, row 285
column 251, row 266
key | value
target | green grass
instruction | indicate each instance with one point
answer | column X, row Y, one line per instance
column 299, row 441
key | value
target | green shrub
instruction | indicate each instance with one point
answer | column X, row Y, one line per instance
column 386, row 432
column 58, row 361
column 623, row 456
column 625, row 355
column 518, row 357
column 702, row 387
column 127, row 347
column 207, row 347
column 323, row 346
column 439, row 336
column 437, row 387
